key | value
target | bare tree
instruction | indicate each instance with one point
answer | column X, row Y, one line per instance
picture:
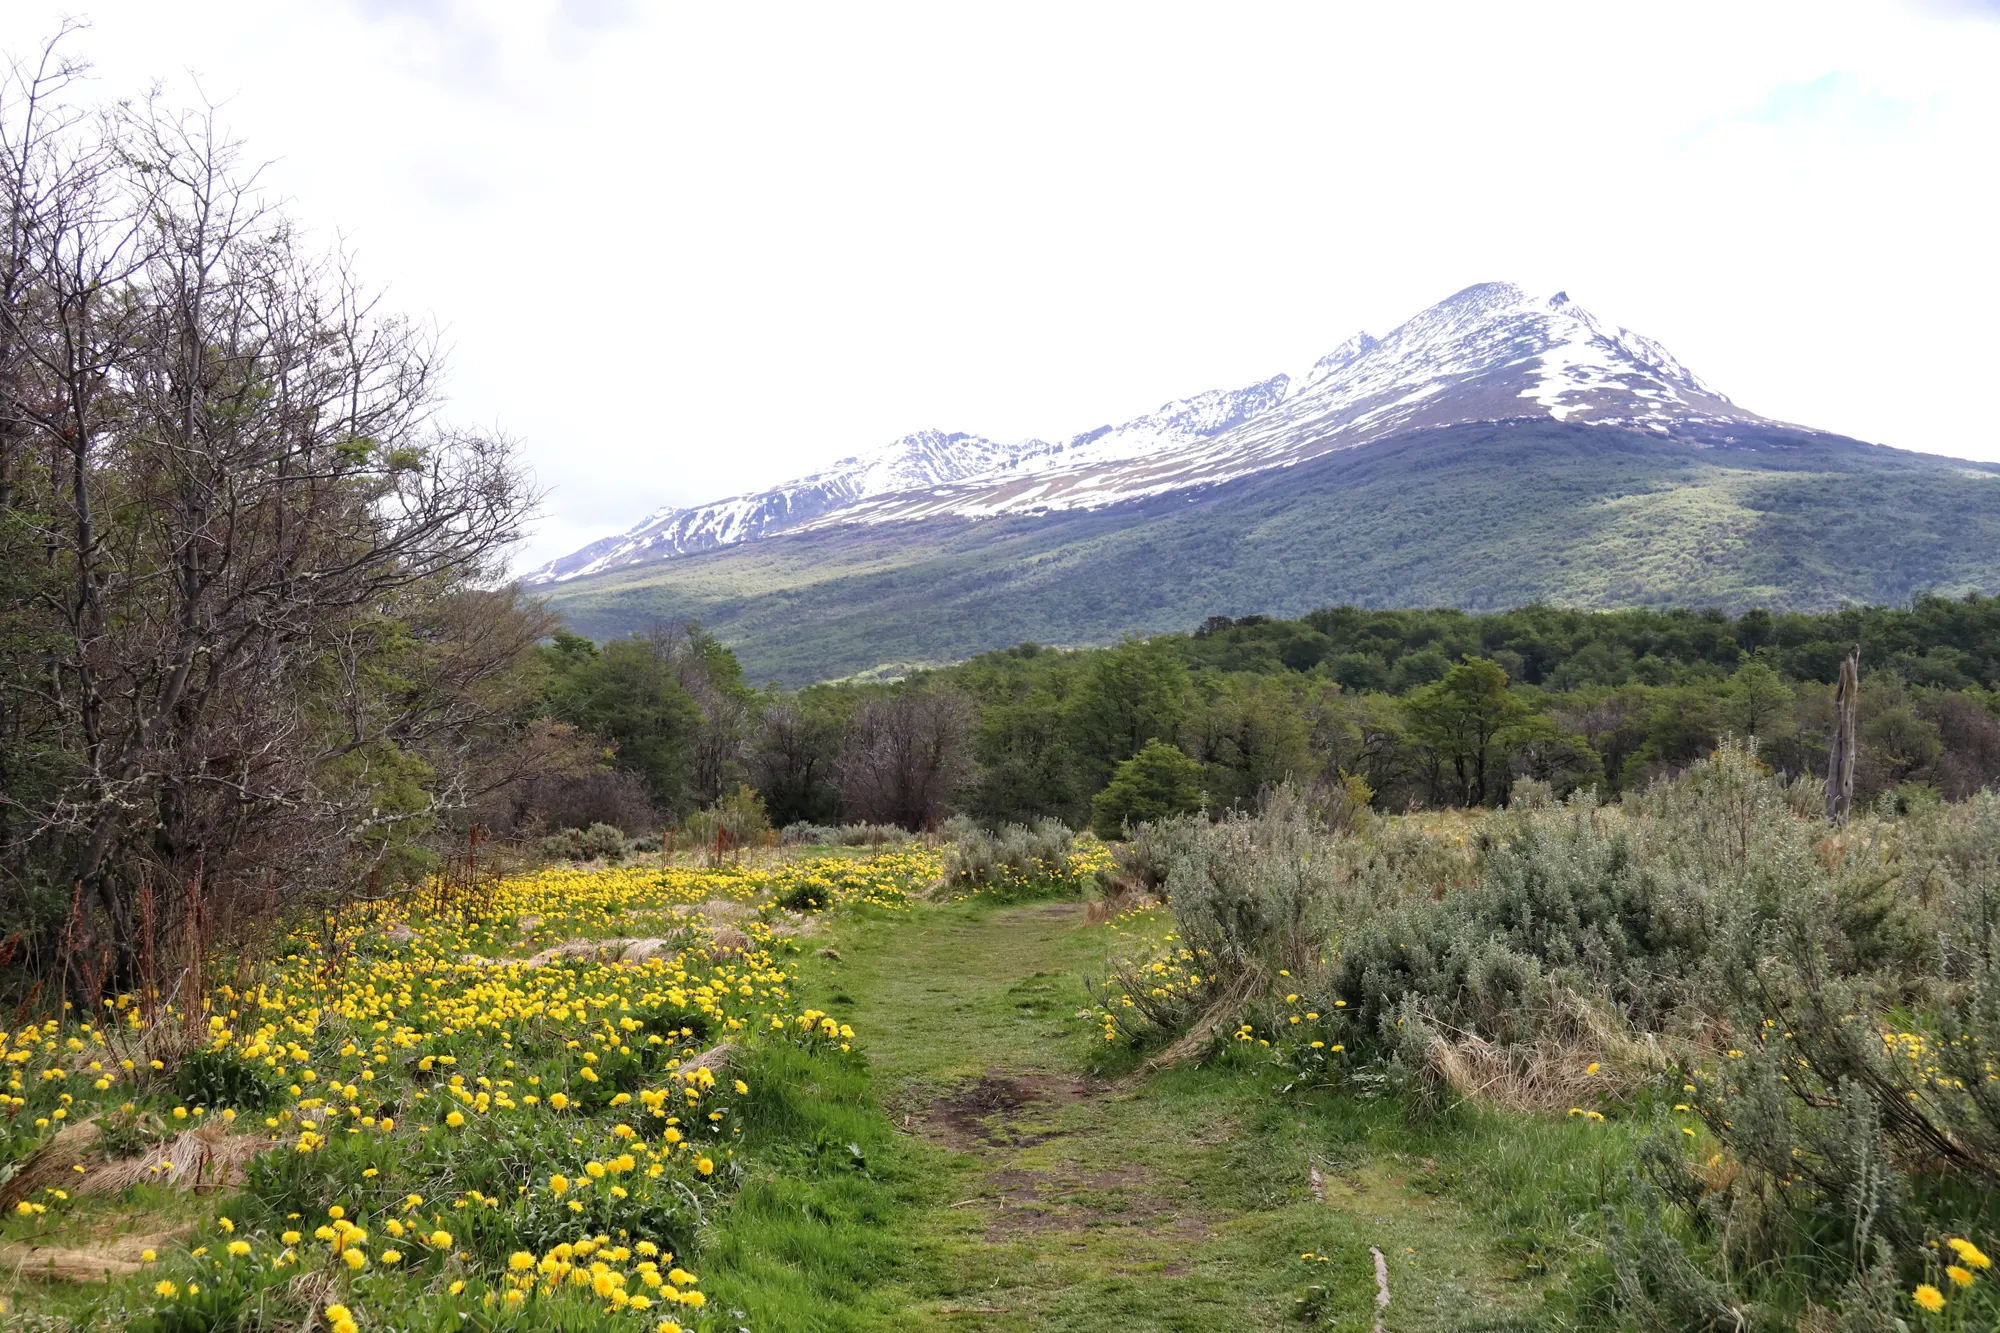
column 254, row 639
column 794, row 759
column 908, row 756
column 1844, row 742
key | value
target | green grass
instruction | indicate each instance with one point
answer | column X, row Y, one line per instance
column 977, row 1174
column 983, row 1160
column 1478, row 517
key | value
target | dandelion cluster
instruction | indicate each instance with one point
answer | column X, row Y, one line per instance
column 442, row 1092
column 884, row 880
column 1156, row 983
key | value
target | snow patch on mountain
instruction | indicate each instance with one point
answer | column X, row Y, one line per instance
column 1491, row 352
column 923, row 459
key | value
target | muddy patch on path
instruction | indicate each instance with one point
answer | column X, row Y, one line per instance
column 1004, row 1111
column 999, row 1114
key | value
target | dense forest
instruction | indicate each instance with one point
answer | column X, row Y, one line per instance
column 1400, row 709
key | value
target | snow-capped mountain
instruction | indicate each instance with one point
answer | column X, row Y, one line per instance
column 925, row 459
column 1490, row 352
column 920, row 463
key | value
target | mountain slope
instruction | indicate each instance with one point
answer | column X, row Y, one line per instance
column 1484, row 515
column 1497, row 448
column 925, row 458
column 917, row 464
column 1490, row 352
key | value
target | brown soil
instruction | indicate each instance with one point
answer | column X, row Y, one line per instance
column 998, row 1114
column 1125, row 1196
column 990, row 1110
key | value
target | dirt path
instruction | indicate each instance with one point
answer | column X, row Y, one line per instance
column 1180, row 1201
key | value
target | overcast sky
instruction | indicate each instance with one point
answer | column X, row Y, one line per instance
column 686, row 251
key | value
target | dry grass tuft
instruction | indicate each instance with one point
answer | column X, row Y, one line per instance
column 205, row 1158
column 1554, row 1072
column 101, row 1263
column 712, row 1059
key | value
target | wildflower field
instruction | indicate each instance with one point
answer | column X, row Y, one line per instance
column 506, row 1103
column 1691, row 1061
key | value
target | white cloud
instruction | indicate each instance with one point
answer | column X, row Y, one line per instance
column 689, row 250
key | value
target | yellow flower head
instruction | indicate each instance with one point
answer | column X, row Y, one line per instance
column 1969, row 1254
column 1929, row 1297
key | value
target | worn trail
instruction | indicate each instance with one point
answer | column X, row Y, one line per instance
column 1179, row 1200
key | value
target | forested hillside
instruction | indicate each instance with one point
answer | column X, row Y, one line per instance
column 1477, row 517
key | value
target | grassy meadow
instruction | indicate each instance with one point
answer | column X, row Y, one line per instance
column 1198, row 1080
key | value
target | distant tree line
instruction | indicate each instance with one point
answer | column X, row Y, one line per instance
column 1394, row 708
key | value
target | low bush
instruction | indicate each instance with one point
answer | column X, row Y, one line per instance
column 737, row 820
column 1819, row 1006
column 1256, row 894
column 222, row 1078
column 1016, row 862
column 842, row 835
column 598, row 842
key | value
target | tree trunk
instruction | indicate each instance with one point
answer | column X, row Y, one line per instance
column 1844, row 743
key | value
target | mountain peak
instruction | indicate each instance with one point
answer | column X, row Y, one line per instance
column 1338, row 357
column 1493, row 351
